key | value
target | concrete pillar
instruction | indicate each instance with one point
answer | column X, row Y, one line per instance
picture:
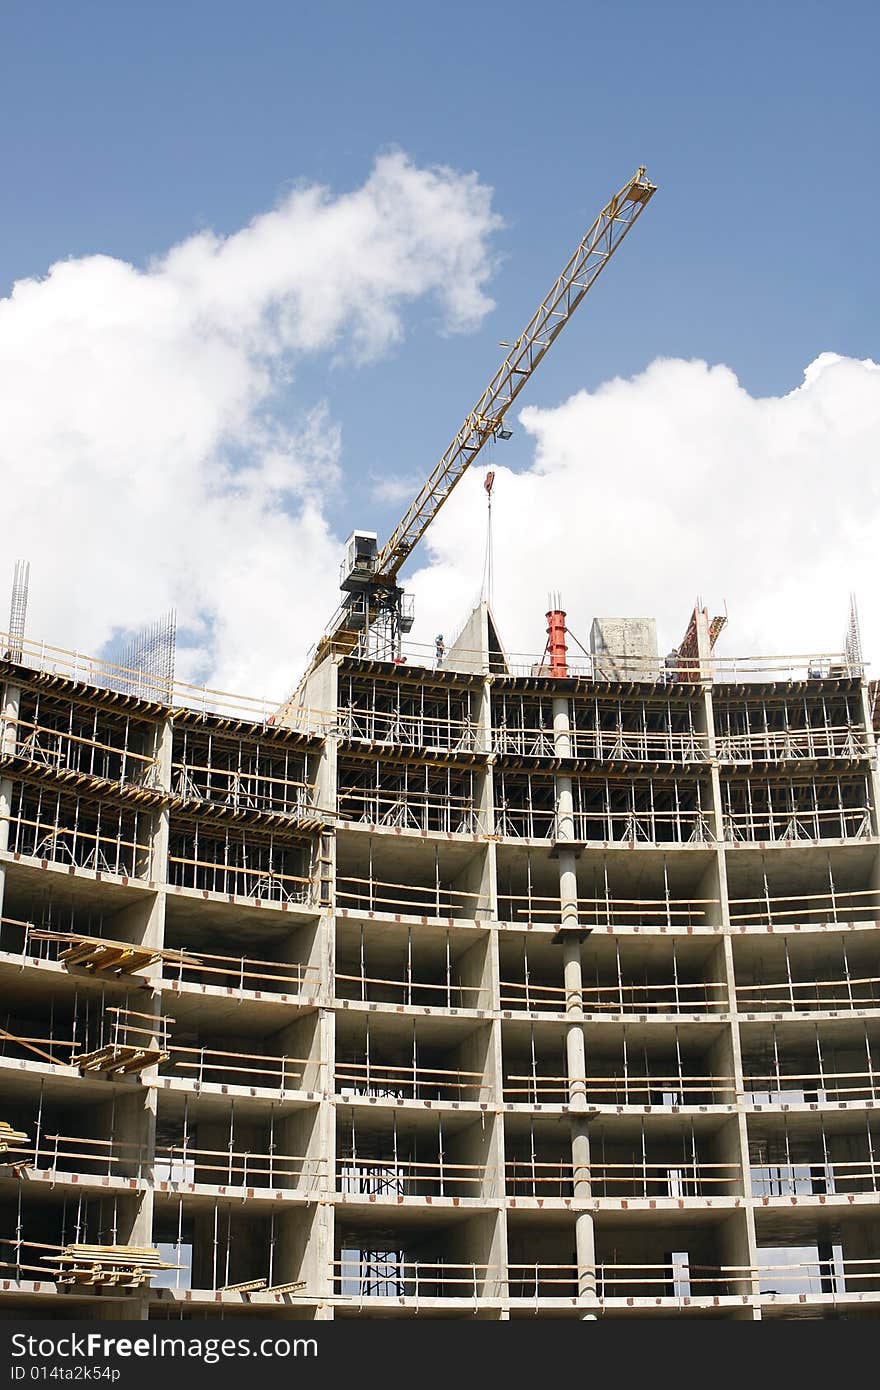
column 154, row 934
column 873, row 769
column 575, row 1043
column 742, row 1245
column 9, row 711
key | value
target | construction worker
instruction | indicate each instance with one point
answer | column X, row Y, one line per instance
column 671, row 664
column 439, row 649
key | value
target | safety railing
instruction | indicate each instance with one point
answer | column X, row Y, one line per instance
column 809, row 1087
column 786, row 825
column 668, row 1178
column 235, row 1167
column 408, row 1081
column 405, row 1177
column 398, row 729
column 450, row 814
column 145, row 685
column 238, row 974
column 732, row 669
column 605, row 826
column 238, row 875
column 61, row 749
column 520, row 909
column 846, row 993
column 813, row 742
column 819, row 1176
column 411, row 991
column 657, row 1089
column 215, row 1066
column 243, row 790
column 806, row 909
column 389, row 1274
column 105, row 1040
column 357, row 894
column 103, row 842
column 618, row 998
column 85, row 1157
column 601, row 745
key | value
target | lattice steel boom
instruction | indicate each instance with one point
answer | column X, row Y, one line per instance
column 592, row 254
column 379, row 593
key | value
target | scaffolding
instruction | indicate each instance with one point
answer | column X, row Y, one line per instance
column 240, row 861
column 437, row 717
column 605, row 809
column 782, row 726
column 241, row 773
column 102, row 743
column 407, row 794
column 601, row 729
column 100, row 834
column 325, row 1054
column 790, row 809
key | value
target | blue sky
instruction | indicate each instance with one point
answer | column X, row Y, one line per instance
column 125, row 128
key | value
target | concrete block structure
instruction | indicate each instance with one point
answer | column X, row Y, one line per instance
column 461, row 993
column 624, row 648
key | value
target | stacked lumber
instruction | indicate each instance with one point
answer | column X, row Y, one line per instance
column 13, row 1143
column 99, row 954
column 259, row 1286
column 119, row 1266
column 119, row 1057
column 108, row 956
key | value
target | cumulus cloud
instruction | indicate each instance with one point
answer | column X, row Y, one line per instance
column 647, row 492
column 147, row 460
column 142, row 464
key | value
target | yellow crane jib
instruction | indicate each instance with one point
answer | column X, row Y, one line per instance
column 370, row 588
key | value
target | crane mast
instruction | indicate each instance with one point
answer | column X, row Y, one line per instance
column 369, row 575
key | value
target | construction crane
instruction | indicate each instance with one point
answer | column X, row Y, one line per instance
column 373, row 601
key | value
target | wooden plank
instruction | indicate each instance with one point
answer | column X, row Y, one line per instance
column 115, row 1057
column 46, row 1056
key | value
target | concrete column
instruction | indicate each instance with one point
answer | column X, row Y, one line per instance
column 9, row 711
column 742, row 1244
column 158, row 872
column 575, row 1043
column 871, row 745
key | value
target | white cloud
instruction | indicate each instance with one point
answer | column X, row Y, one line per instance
column 650, row 491
column 143, row 462
column 395, row 487
column 140, row 462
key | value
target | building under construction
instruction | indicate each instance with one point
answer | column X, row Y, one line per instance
column 462, row 985
column 467, row 992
